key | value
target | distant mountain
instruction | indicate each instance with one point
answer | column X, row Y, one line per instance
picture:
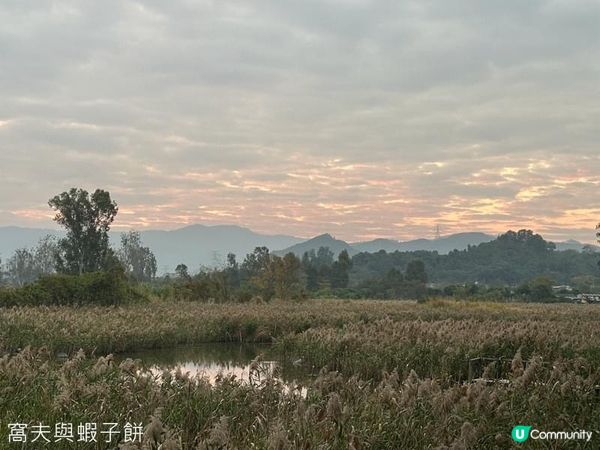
column 575, row 245
column 12, row 238
column 201, row 245
column 389, row 245
column 446, row 244
column 323, row 240
column 442, row 245
column 195, row 245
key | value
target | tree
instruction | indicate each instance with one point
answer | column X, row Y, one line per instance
column 26, row 265
column 138, row 261
column 232, row 271
column 586, row 284
column 182, row 272
column 393, row 283
column 46, row 253
column 21, row 267
column 87, row 220
column 415, row 271
column 324, row 257
column 256, row 262
column 340, row 270
column 538, row 289
column 310, row 270
column 286, row 276
column 258, row 272
column 416, row 279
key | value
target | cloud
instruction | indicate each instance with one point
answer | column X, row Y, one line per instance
column 361, row 118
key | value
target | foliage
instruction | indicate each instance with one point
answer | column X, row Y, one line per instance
column 209, row 286
column 322, row 272
column 537, row 290
column 21, row 267
column 138, row 261
column 26, row 265
column 182, row 272
column 586, row 283
column 266, row 275
column 87, row 219
column 93, row 288
column 512, row 259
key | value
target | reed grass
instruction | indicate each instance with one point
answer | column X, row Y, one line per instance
column 166, row 324
column 182, row 412
column 393, row 373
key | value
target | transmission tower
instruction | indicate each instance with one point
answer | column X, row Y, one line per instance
column 437, row 232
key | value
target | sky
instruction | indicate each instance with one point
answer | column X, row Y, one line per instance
column 359, row 118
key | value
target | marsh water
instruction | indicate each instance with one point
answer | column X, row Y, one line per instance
column 221, row 360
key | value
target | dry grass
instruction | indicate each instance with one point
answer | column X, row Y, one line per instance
column 398, row 386
column 338, row 413
column 165, row 324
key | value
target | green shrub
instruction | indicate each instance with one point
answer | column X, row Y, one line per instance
column 95, row 288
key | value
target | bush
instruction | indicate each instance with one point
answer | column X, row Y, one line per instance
column 95, row 288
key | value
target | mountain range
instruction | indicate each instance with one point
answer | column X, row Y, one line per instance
column 194, row 245
column 202, row 245
column 442, row 245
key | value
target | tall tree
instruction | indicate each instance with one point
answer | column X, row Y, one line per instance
column 256, row 262
column 21, row 267
column 139, row 261
column 286, row 276
column 87, row 219
column 45, row 254
column 232, row 271
column 416, row 279
column 340, row 270
column 311, row 272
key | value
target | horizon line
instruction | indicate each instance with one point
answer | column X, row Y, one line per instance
column 122, row 229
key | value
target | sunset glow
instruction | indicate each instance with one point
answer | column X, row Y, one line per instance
column 380, row 120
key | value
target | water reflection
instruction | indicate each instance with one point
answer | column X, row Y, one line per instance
column 249, row 363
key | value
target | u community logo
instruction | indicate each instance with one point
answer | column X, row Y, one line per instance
column 520, row 433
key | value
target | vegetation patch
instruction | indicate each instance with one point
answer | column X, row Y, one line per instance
column 93, row 288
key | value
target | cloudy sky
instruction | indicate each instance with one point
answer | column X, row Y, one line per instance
column 359, row 118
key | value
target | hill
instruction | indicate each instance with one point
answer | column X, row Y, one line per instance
column 446, row 244
column 443, row 245
column 323, row 240
column 195, row 245
column 202, row 245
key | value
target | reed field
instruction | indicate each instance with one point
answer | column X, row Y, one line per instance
column 164, row 324
column 386, row 375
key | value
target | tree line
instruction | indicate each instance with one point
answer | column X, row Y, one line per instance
column 516, row 265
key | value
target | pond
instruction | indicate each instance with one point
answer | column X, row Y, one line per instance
column 249, row 363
